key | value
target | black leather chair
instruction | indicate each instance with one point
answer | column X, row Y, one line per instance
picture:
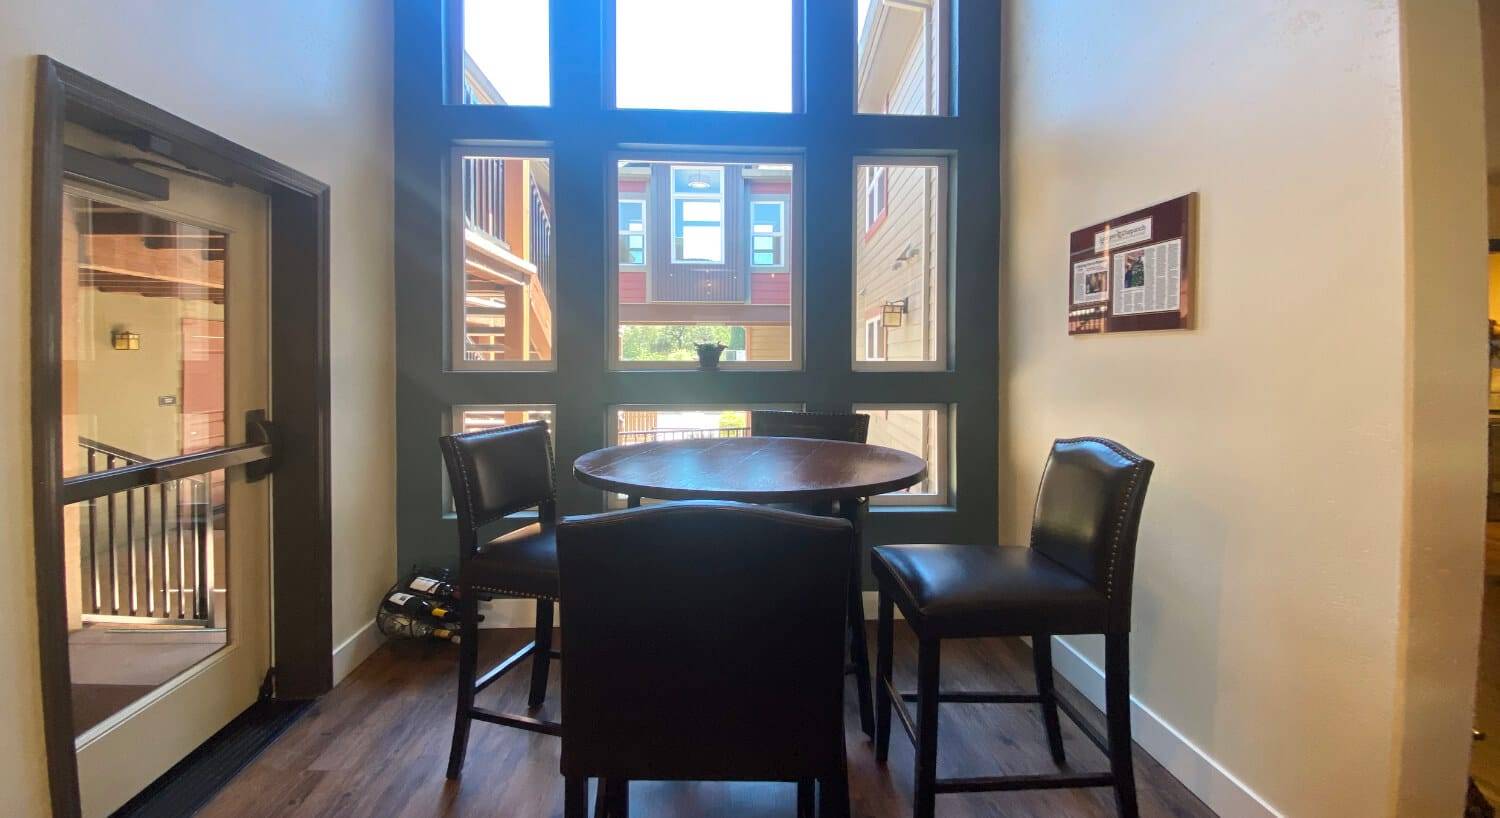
column 1075, row 578
column 705, row 643
column 850, row 427
column 496, row 473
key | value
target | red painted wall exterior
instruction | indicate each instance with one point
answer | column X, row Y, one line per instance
column 770, row 288
column 632, row 287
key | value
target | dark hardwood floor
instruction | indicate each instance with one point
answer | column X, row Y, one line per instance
column 378, row 744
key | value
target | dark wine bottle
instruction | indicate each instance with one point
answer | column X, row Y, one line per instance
column 415, row 606
column 446, row 633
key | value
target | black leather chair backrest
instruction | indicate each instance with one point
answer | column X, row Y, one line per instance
column 705, row 641
column 845, row 426
column 497, row 472
column 1088, row 510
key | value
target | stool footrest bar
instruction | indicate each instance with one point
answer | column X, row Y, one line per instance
column 980, row 697
column 493, row 674
column 550, row 728
column 1084, row 726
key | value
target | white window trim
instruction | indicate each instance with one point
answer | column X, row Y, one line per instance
column 877, row 324
column 798, row 311
column 780, row 204
column 645, row 230
column 942, row 271
column 454, row 326
column 939, row 471
column 696, row 197
column 877, row 185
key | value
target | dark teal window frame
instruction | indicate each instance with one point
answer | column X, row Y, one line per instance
column 582, row 132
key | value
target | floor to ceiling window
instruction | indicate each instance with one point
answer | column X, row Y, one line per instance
column 587, row 188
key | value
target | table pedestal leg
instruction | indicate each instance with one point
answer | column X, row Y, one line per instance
column 859, row 651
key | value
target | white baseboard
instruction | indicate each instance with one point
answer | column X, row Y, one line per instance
column 354, row 650
column 1226, row 795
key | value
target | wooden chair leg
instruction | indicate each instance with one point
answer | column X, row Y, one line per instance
column 807, row 792
column 575, row 797
column 884, row 644
column 617, row 798
column 1041, row 660
column 541, row 661
column 928, row 659
column 1117, row 713
column 468, row 661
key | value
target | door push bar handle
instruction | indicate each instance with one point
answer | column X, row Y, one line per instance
column 259, row 430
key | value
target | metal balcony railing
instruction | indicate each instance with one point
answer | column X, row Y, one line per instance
column 659, row 435
column 147, row 552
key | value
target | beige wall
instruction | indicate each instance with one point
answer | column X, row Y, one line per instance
column 1309, row 563
column 308, row 84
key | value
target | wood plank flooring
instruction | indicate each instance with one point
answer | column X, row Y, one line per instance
column 378, row 745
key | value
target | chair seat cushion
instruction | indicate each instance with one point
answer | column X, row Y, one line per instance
column 520, row 563
column 986, row 590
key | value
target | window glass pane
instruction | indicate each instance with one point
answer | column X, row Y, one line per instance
column 479, row 418
column 900, row 262
column 903, row 57
column 716, row 274
column 635, row 425
column 646, row 425
column 508, row 272
column 921, row 431
column 727, row 55
column 506, row 52
column 705, row 180
column 701, row 211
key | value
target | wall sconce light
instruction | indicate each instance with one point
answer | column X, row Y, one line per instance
column 125, row 340
column 893, row 314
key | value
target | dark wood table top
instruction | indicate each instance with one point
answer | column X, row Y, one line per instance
column 750, row 469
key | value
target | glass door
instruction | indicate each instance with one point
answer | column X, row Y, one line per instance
column 165, row 383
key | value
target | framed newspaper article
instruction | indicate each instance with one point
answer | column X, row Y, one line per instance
column 1134, row 272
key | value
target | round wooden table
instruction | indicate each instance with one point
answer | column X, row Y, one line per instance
column 750, row 470
column 767, row 470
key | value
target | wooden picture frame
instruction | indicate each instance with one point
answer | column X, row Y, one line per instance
column 1134, row 272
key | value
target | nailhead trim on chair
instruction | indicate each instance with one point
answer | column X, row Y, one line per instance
column 1135, row 461
column 463, row 472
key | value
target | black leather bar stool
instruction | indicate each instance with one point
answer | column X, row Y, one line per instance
column 705, row 643
column 1075, row 578
column 496, row 473
column 850, row 427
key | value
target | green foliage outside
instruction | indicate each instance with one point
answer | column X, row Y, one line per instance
column 669, row 342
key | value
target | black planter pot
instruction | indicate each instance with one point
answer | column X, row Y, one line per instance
column 708, row 355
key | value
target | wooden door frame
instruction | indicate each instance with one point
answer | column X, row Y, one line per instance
column 301, row 527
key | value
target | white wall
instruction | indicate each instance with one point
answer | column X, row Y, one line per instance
column 1316, row 514
column 308, row 84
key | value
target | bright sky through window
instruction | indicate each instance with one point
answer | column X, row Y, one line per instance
column 725, row 55
column 508, row 40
